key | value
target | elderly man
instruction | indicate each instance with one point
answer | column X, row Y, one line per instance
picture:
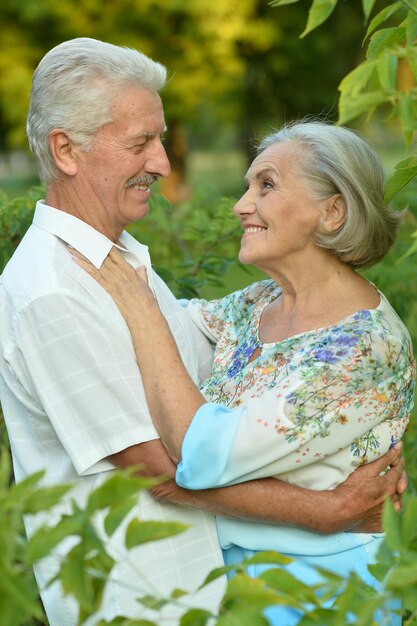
column 70, row 386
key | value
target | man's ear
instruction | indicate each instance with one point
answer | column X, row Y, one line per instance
column 63, row 151
column 334, row 214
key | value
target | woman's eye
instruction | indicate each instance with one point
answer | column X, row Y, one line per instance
column 267, row 184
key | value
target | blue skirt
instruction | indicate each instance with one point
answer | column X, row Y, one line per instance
column 304, row 568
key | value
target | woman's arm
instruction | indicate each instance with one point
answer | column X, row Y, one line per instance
column 174, row 400
column 171, row 394
column 355, row 505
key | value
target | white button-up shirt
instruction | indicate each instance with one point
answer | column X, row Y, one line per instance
column 72, row 395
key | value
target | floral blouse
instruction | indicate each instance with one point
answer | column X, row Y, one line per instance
column 310, row 408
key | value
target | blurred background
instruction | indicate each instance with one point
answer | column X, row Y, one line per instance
column 237, row 68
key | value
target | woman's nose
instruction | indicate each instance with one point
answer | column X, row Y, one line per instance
column 245, row 204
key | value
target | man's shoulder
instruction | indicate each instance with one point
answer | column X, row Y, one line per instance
column 36, row 269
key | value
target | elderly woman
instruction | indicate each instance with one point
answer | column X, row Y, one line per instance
column 313, row 371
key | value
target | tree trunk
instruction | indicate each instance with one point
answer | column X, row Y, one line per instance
column 175, row 187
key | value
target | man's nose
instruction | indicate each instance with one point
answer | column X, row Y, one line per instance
column 158, row 162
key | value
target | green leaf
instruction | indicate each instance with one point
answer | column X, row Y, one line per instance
column 351, row 107
column 404, row 172
column 382, row 16
column 402, row 576
column 409, row 600
column 119, row 486
column 278, row 3
column 125, row 621
column 268, row 557
column 5, row 467
column 387, row 71
column 383, row 39
column 117, row 514
column 245, row 615
column 178, row 593
column 357, row 78
column 153, row 603
column 19, row 593
column 244, row 601
column 412, row 59
column 409, row 521
column 45, row 498
column 392, row 527
column 411, row 250
column 319, row 617
column 249, row 591
column 139, row 532
column 195, row 617
column 18, row 492
column 46, row 538
column 285, row 583
column 367, row 6
column 407, row 118
column 218, row 572
column 411, row 28
column 365, row 610
column 73, row 578
column 319, row 11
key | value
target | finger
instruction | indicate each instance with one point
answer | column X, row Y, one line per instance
column 84, row 263
column 390, row 481
column 116, row 256
column 142, row 273
column 390, row 458
column 394, row 472
column 395, row 452
column 77, row 255
column 402, row 484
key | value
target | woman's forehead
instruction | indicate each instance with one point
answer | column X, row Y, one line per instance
column 278, row 158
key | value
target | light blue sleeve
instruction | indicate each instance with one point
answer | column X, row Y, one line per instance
column 207, row 445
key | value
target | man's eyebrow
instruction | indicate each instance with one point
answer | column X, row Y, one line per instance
column 145, row 134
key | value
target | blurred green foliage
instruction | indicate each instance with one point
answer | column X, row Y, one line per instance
column 235, row 67
column 87, row 564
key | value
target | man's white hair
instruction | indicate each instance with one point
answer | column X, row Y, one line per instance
column 72, row 89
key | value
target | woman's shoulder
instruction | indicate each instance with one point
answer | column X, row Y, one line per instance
column 384, row 332
column 259, row 292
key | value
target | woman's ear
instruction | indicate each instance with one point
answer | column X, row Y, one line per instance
column 334, row 214
column 63, row 150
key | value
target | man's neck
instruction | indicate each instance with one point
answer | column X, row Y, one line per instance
column 63, row 197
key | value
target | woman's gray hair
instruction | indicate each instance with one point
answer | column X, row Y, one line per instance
column 72, row 89
column 335, row 160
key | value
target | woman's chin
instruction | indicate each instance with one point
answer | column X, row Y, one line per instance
column 244, row 257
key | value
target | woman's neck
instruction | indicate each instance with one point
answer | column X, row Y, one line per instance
column 318, row 296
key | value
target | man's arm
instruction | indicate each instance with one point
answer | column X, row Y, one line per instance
column 354, row 505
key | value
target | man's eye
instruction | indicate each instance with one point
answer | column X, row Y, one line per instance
column 138, row 148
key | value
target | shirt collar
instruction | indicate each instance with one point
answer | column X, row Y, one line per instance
column 84, row 238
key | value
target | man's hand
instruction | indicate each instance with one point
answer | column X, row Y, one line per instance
column 364, row 492
column 356, row 505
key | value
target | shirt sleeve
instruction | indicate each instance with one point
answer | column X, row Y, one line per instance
column 207, row 316
column 84, row 373
column 302, row 420
column 202, row 345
